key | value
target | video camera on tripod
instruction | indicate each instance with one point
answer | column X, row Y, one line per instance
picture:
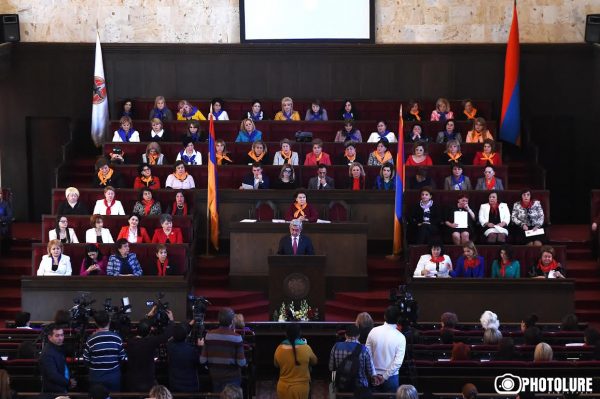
column 119, row 316
column 199, row 305
column 160, row 318
column 407, row 306
column 81, row 311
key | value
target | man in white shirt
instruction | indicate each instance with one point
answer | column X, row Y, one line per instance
column 387, row 346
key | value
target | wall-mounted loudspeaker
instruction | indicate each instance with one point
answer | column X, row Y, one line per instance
column 592, row 28
column 9, row 28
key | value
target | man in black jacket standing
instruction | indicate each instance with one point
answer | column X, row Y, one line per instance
column 53, row 364
column 184, row 359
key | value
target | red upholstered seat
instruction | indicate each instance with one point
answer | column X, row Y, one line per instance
column 265, row 211
column 338, row 211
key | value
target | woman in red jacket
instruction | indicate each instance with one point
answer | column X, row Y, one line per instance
column 487, row 157
column 167, row 234
column 134, row 233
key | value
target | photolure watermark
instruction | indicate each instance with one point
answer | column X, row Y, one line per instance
column 510, row 384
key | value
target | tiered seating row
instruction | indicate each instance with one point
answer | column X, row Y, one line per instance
column 278, row 130
column 368, row 110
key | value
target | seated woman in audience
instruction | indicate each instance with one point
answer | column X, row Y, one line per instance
column 160, row 110
column 488, row 156
column 294, row 358
column 98, row 234
column 386, row 178
column 285, row 155
column 420, row 180
column 381, row 154
column 419, row 156
column 442, row 111
column 425, row 216
column 350, row 155
column 493, row 218
column 188, row 112
column 460, row 234
column 356, row 177
column 460, row 352
column 287, row 178
column 133, row 232
column 469, row 111
column 145, row 178
column 93, row 263
column 63, row 232
column 542, row 353
column 301, row 209
column 505, row 265
column 258, row 154
column 470, row 264
column 317, row 157
column 194, row 132
column 108, row 205
column 348, row 111
column 123, row 262
column 146, row 205
column 153, row 155
column 106, row 176
column 179, row 206
column 126, row 133
column 382, row 133
column 72, row 206
column 348, row 133
column 414, row 113
column 479, row 133
column 287, row 112
column 316, row 112
column 157, row 132
column 248, row 132
column 416, row 134
column 434, row 264
column 127, row 108
column 180, row 179
column 217, row 109
column 457, row 180
column 449, row 133
column 527, row 215
column 188, row 154
column 256, row 113
column 167, row 234
column 163, row 266
column 569, row 322
column 489, row 181
column 56, row 263
column 452, row 153
column 223, row 157
column 547, row 266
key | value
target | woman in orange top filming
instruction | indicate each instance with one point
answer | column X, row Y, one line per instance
column 419, row 156
column 479, row 133
column 488, row 156
column 301, row 210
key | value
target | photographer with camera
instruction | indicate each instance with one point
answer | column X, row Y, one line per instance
column 184, row 359
column 141, row 348
column 103, row 352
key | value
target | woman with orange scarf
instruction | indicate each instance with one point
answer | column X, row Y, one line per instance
column 223, row 157
column 145, row 178
column 414, row 113
column 469, row 111
column 317, row 156
column 479, row 133
column 146, row 205
column 452, row 154
column 301, row 210
column 106, row 176
column 381, row 155
column 487, row 156
column 285, row 155
column 258, row 154
column 153, row 155
column 180, row 179
column 547, row 266
column 419, row 156
column 350, row 155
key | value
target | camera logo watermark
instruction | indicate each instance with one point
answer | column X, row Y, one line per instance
column 510, row 384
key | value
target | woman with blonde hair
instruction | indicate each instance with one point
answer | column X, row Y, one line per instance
column 287, row 112
column 153, row 154
column 5, row 391
column 160, row 392
column 160, row 110
column 356, row 177
column 72, row 206
column 157, row 131
column 56, row 263
column 442, row 110
column 542, row 353
column 248, row 132
column 480, row 132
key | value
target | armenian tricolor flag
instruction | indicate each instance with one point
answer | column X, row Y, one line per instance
column 510, row 119
column 399, row 187
column 212, row 213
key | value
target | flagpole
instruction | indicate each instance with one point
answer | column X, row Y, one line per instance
column 207, row 254
column 399, row 191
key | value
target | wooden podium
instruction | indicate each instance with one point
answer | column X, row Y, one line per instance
column 294, row 278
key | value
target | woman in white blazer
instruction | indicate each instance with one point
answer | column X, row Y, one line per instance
column 98, row 234
column 55, row 263
column 109, row 205
column 62, row 232
column 434, row 264
column 494, row 217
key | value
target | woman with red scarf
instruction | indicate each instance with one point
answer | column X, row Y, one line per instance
column 301, row 210
column 146, row 205
column 145, row 178
column 489, row 181
column 528, row 215
column 488, row 156
column 167, row 234
column 505, row 266
column 179, row 207
column 435, row 264
column 493, row 218
column 470, row 264
column 547, row 266
column 109, row 205
column 356, row 177
column 162, row 267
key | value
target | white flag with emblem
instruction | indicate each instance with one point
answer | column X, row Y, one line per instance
column 100, row 98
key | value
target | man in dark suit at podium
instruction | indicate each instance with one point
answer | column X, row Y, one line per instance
column 295, row 243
